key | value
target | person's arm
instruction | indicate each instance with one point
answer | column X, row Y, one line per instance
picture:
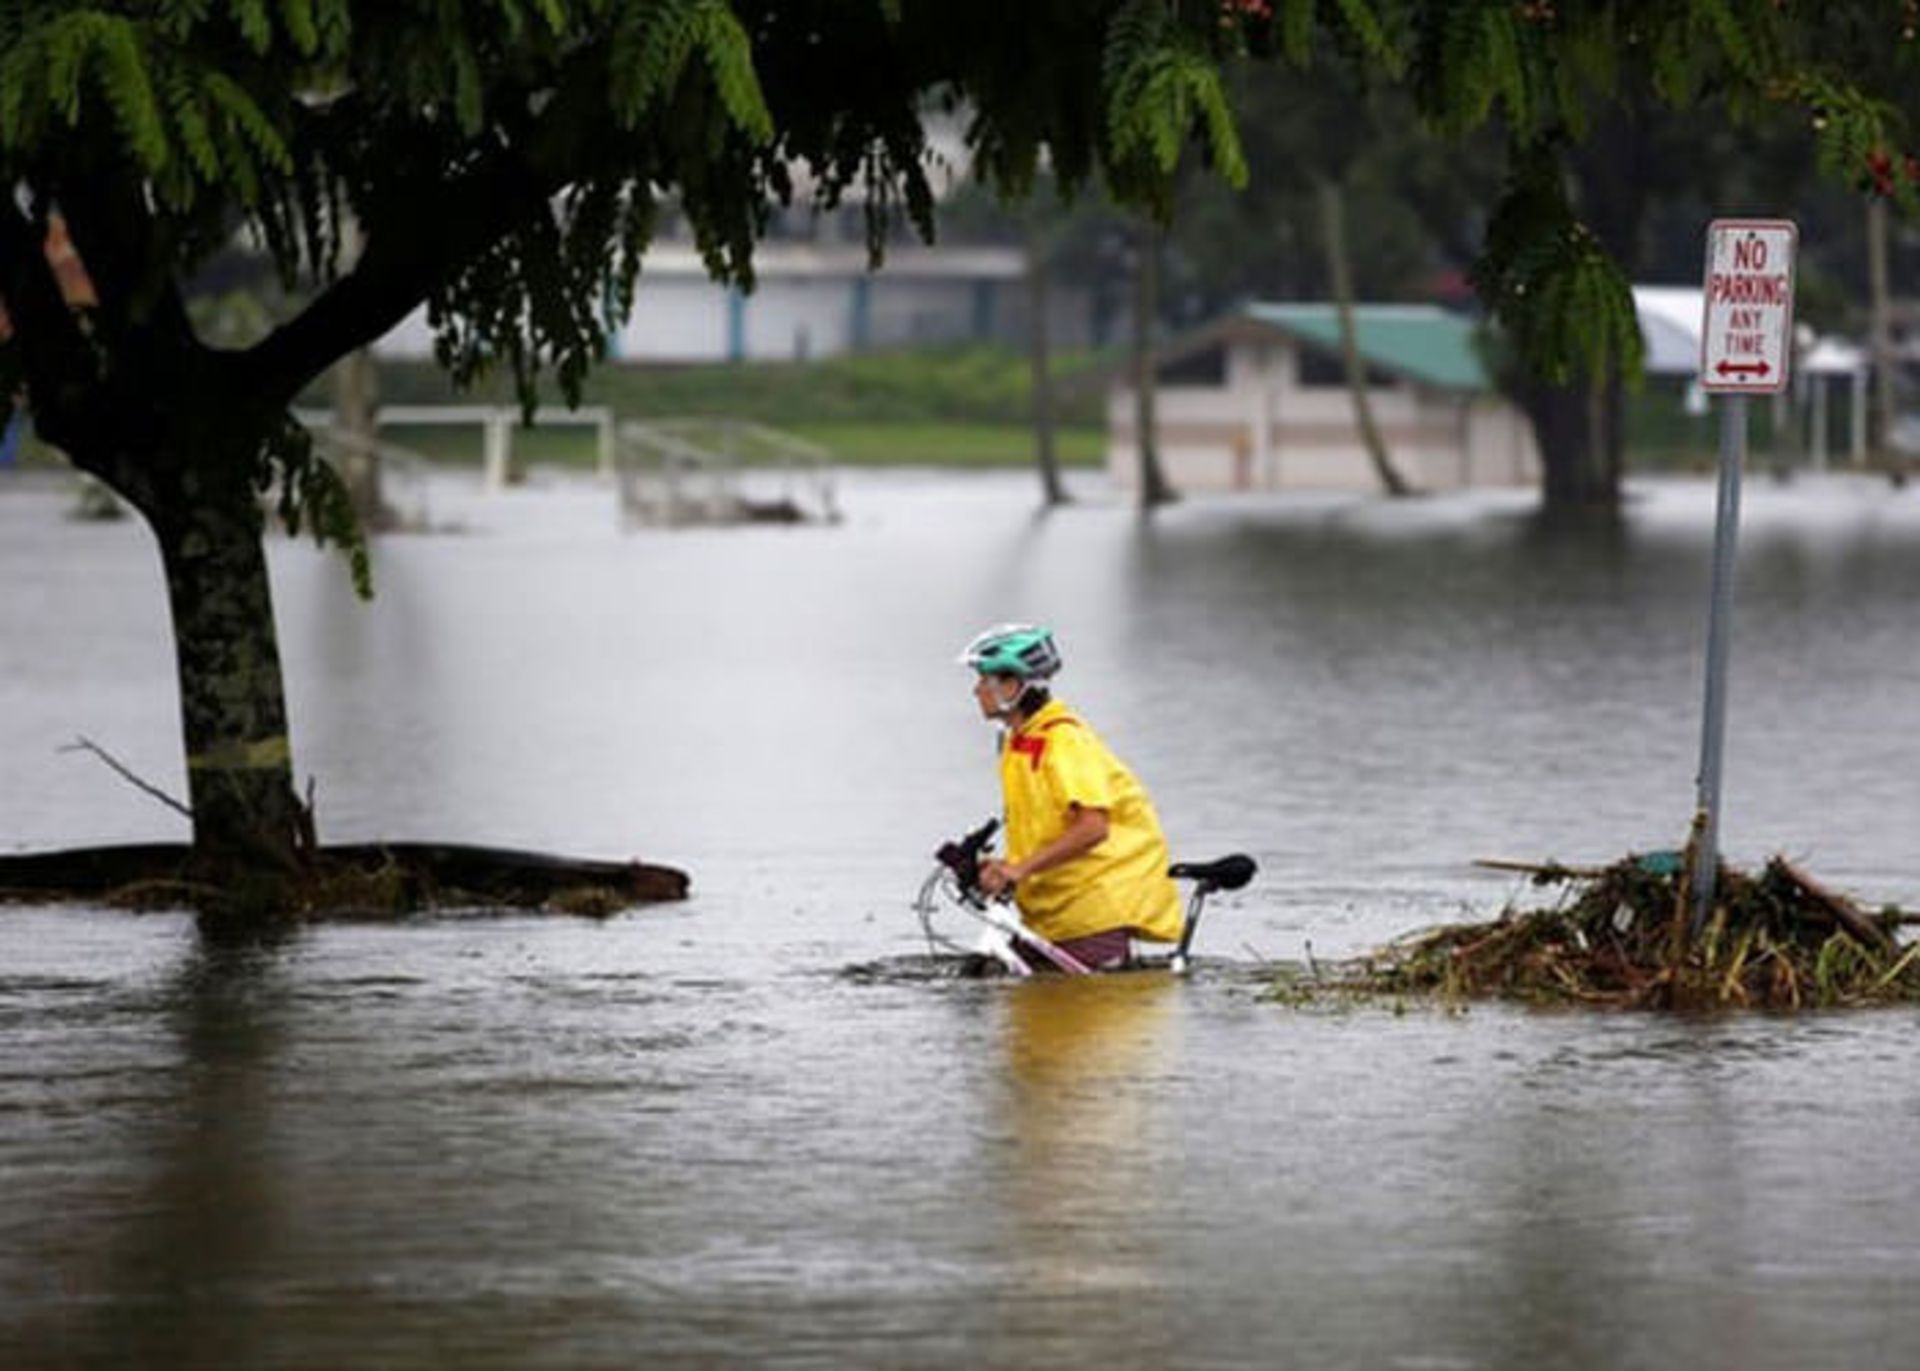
column 1086, row 829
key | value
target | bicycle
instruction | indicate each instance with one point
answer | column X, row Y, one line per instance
column 954, row 883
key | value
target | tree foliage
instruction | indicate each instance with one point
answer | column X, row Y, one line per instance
column 1539, row 69
column 505, row 162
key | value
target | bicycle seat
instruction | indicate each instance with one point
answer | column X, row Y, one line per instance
column 1223, row 873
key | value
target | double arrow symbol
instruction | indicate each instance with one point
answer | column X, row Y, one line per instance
column 1744, row 369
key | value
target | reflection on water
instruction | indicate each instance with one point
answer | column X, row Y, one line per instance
column 138, row 1105
column 206, row 1221
column 686, row 1137
column 1087, row 1152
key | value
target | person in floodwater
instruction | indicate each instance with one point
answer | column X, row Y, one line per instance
column 1085, row 860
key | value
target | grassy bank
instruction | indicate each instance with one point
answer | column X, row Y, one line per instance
column 874, row 444
column 950, row 444
column 967, row 385
column 954, row 406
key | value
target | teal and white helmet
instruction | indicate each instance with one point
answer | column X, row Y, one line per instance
column 1023, row 650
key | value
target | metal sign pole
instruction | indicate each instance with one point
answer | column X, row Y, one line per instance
column 1713, row 728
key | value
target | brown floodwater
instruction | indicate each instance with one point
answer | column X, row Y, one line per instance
column 755, row 1128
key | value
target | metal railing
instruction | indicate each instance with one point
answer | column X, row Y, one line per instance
column 712, row 470
column 497, row 425
column 403, row 472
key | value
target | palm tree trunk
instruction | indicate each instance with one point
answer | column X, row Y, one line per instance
column 356, row 397
column 1880, row 314
column 355, row 400
column 1154, row 486
column 1333, row 223
column 1052, row 489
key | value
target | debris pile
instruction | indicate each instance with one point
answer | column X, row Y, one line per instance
column 1622, row 937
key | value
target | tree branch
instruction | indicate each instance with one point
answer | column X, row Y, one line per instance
column 126, row 258
column 44, row 326
column 397, row 271
column 85, row 744
column 407, row 256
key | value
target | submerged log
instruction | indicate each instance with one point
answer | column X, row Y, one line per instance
column 359, row 878
column 1836, row 906
column 1544, row 873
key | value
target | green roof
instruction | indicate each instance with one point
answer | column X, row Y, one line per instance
column 1421, row 342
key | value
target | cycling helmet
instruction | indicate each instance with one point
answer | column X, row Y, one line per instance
column 1023, row 650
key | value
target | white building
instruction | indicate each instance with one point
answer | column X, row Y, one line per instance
column 819, row 299
column 1258, row 400
column 814, row 299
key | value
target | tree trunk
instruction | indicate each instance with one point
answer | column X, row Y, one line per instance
column 1580, row 427
column 1154, row 487
column 1569, row 425
column 233, row 711
column 356, row 397
column 1880, row 335
column 1052, row 489
column 1611, row 436
column 1333, row 226
column 356, row 400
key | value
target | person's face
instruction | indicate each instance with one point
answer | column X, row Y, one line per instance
column 995, row 694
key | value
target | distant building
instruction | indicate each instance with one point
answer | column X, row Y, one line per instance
column 818, row 298
column 815, row 294
column 1258, row 400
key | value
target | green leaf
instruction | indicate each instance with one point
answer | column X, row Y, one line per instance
column 1731, row 32
column 1506, row 65
column 68, row 42
column 1158, row 79
column 651, row 44
column 729, row 56
column 253, row 21
column 301, row 27
column 245, row 117
column 1563, row 303
column 313, row 497
column 122, row 74
column 190, row 124
column 1296, row 30
column 468, row 101
column 1365, row 25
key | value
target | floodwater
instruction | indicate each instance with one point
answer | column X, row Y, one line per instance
column 752, row 1129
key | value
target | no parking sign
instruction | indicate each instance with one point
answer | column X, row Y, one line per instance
column 1746, row 348
column 1746, row 337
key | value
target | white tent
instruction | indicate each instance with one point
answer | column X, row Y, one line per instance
column 1670, row 325
column 1670, row 319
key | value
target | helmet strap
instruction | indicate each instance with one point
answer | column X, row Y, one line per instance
column 1028, row 701
column 1004, row 710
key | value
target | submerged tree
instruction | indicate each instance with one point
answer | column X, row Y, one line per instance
column 1155, row 488
column 1575, row 86
column 1053, row 490
column 1532, row 145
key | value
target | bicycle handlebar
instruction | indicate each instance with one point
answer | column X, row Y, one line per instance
column 962, row 856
